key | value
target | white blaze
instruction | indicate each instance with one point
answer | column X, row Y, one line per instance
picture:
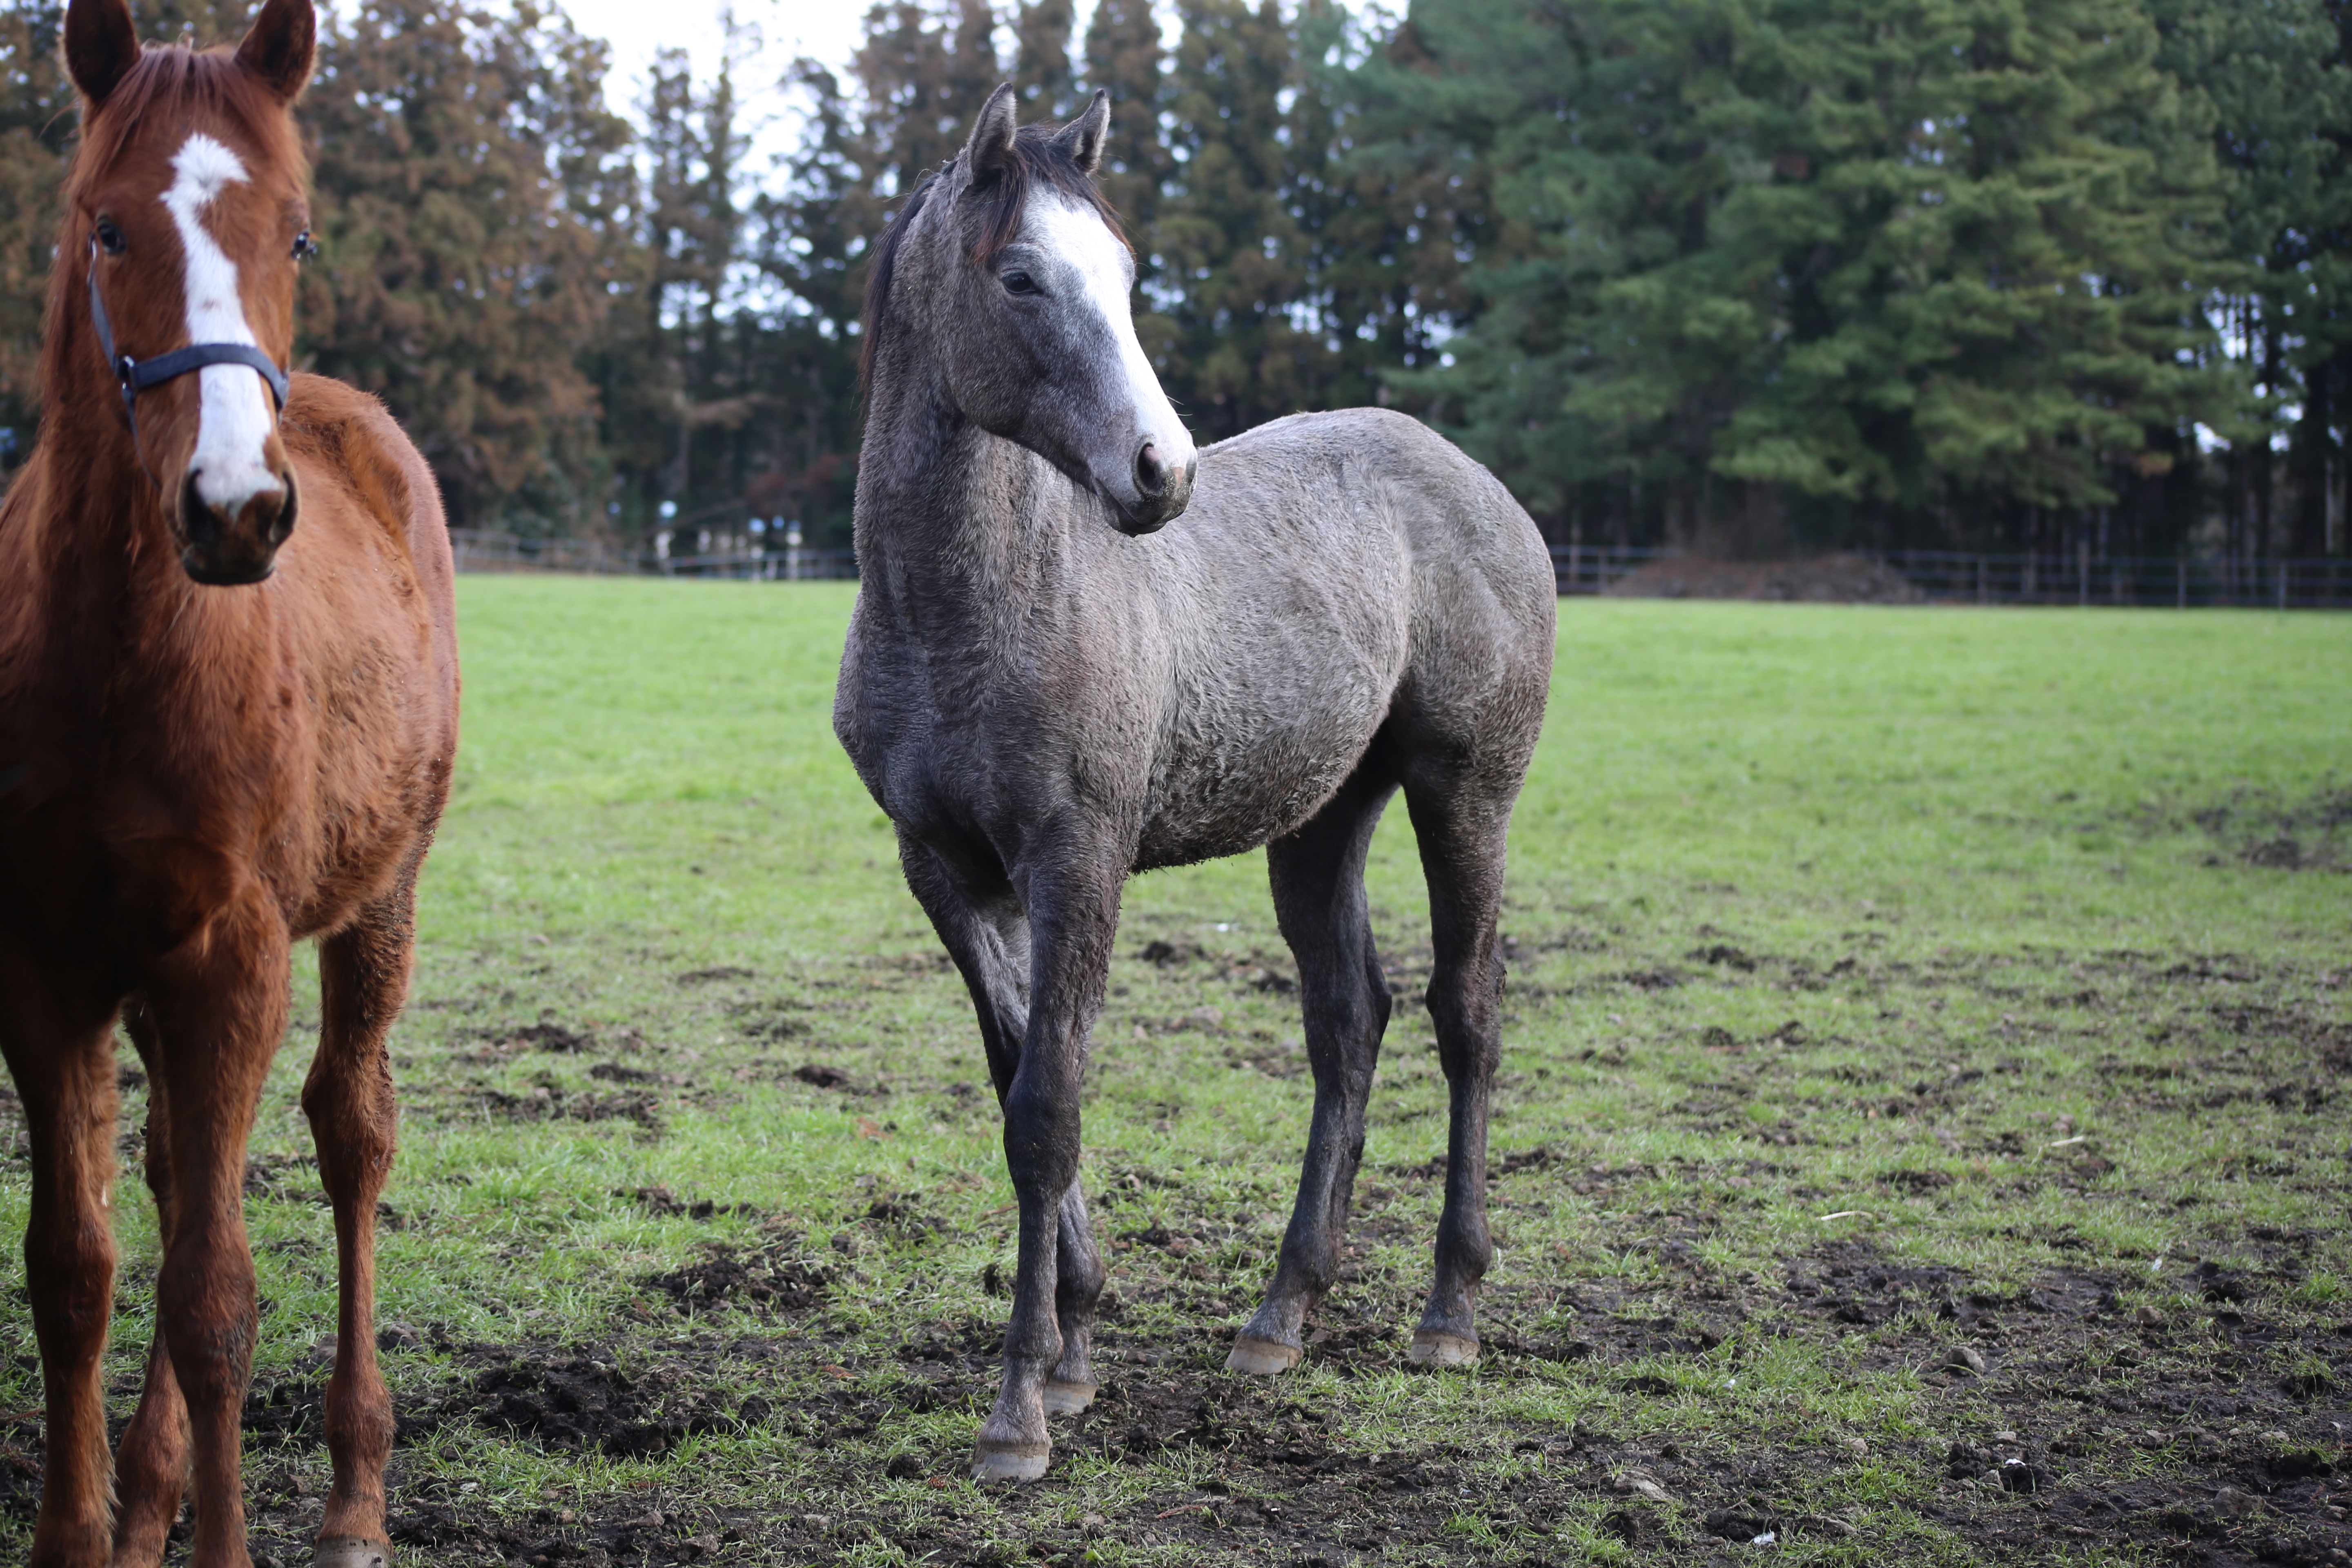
column 1078, row 237
column 235, row 414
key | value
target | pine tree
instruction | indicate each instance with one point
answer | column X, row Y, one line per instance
column 1124, row 58
column 457, row 280
column 2275, row 77
column 1909, row 263
column 1235, row 254
column 1041, row 69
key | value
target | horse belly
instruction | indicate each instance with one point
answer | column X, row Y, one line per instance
column 1219, row 795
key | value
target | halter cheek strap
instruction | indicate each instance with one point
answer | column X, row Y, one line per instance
column 135, row 376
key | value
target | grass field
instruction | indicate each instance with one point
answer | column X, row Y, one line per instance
column 1891, row 989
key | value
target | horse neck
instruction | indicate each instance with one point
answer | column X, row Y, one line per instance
column 951, row 515
column 85, row 536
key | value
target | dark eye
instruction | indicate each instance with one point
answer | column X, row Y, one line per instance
column 1020, row 282
column 110, row 239
column 305, row 248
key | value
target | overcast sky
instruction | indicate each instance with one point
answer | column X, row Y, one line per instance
column 827, row 30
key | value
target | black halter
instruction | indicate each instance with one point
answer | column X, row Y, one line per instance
column 135, row 376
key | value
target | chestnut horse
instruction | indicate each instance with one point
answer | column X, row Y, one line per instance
column 219, row 733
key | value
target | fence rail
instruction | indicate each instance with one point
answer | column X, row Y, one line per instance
column 481, row 551
column 1942, row 577
column 1954, row 576
column 2182, row 582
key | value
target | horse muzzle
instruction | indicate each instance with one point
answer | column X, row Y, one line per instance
column 229, row 545
column 1162, row 490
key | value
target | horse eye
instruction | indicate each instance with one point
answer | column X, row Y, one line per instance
column 110, row 239
column 305, row 248
column 1017, row 282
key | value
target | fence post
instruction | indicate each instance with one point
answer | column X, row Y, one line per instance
column 2181, row 568
column 1981, row 599
column 2282, row 584
column 2083, row 571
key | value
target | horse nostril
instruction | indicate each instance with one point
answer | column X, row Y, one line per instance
column 280, row 521
column 1150, row 478
column 197, row 520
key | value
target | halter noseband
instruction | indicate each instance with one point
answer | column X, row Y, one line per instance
column 135, row 376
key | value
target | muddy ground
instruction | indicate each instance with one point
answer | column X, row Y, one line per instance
column 2193, row 1407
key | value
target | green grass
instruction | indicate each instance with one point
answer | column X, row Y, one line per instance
column 1812, row 911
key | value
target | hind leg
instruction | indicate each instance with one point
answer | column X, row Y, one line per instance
column 1318, row 874
column 363, row 980
column 59, row 1048
column 151, row 1462
column 1461, row 828
column 981, row 923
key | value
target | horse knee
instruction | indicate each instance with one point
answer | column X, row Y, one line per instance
column 1041, row 1137
column 205, row 1297
column 69, row 1266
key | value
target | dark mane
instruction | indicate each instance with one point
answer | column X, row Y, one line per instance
column 991, row 219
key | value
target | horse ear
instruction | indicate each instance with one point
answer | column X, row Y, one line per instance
column 280, row 47
column 102, row 46
column 991, row 148
column 1083, row 138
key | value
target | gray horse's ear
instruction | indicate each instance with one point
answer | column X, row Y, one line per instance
column 280, row 44
column 102, row 46
column 990, row 151
column 1083, row 138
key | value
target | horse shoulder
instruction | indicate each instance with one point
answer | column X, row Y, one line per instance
column 346, row 439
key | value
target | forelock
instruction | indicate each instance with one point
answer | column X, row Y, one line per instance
column 990, row 214
column 174, row 89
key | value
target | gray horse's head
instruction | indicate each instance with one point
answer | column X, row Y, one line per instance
column 1011, row 268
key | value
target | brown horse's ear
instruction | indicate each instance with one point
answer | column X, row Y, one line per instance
column 102, row 46
column 1083, row 138
column 279, row 47
column 988, row 152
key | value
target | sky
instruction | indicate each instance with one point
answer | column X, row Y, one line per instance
column 825, row 30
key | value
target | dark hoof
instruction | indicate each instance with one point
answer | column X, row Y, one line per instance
column 1435, row 1347
column 1009, row 1462
column 1260, row 1358
column 350, row 1552
column 1066, row 1398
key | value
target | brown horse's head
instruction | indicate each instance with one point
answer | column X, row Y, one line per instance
column 188, row 203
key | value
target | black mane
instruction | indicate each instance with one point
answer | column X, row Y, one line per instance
column 992, row 217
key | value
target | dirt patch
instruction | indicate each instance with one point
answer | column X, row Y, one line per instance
column 552, row 1102
column 1827, row 579
column 2260, row 828
column 584, row 1400
column 772, row 1280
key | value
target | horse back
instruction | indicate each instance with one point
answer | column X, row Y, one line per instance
column 377, row 578
column 1337, row 575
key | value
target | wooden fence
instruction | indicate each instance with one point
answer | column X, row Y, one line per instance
column 1943, row 576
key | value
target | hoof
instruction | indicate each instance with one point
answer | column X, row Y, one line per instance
column 350, row 1552
column 1260, row 1358
column 1013, row 1462
column 1435, row 1347
column 1067, row 1398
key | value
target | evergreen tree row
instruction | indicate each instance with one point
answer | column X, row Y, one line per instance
column 1739, row 275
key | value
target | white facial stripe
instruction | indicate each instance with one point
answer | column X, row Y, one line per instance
column 1078, row 237
column 235, row 419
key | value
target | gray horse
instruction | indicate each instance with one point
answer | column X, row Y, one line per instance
column 1049, row 689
